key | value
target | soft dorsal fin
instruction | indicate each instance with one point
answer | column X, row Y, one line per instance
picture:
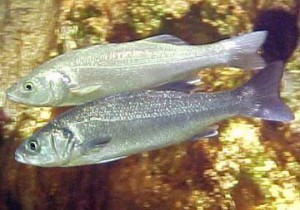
column 165, row 38
column 186, row 85
column 88, row 146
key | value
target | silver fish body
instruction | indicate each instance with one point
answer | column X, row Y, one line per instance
column 85, row 74
column 117, row 126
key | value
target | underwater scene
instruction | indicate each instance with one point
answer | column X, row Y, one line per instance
column 149, row 104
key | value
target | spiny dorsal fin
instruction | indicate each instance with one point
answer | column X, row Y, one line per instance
column 165, row 38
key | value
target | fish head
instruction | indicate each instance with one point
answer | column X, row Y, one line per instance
column 45, row 89
column 49, row 147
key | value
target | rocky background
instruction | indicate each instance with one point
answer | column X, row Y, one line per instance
column 251, row 165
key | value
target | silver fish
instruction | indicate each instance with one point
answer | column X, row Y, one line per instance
column 114, row 127
column 85, row 74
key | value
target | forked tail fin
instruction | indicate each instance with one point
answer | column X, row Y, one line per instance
column 243, row 50
column 260, row 95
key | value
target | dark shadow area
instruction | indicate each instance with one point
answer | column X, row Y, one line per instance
column 283, row 33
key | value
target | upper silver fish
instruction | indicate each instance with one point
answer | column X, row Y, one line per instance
column 86, row 74
column 117, row 126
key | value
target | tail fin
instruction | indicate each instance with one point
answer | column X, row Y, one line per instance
column 261, row 95
column 243, row 50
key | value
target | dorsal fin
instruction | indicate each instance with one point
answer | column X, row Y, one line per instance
column 186, row 85
column 165, row 38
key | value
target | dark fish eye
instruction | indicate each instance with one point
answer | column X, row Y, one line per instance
column 33, row 145
column 28, row 86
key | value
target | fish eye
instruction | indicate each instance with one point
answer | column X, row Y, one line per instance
column 33, row 146
column 28, row 86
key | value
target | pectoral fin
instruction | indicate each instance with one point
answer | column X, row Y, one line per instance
column 210, row 131
column 84, row 90
column 89, row 146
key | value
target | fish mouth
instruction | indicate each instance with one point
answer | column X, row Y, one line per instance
column 11, row 97
column 15, row 99
column 19, row 158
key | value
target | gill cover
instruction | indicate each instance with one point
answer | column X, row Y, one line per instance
column 58, row 88
column 63, row 142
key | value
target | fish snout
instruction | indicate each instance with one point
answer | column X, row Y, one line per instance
column 12, row 94
column 10, row 90
column 20, row 154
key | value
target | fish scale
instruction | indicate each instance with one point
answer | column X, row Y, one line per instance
column 151, row 104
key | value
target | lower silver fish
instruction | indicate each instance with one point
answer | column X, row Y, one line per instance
column 114, row 127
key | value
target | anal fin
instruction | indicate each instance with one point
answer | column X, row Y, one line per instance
column 210, row 131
